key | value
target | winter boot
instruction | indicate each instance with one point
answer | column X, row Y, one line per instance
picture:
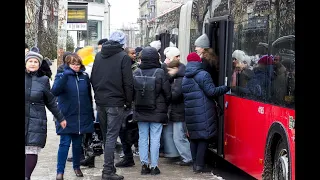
column 89, row 161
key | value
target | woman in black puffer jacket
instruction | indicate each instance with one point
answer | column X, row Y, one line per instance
column 151, row 120
column 37, row 97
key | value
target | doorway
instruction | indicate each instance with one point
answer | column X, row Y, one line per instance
column 220, row 33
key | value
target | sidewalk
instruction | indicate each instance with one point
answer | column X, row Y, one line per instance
column 46, row 167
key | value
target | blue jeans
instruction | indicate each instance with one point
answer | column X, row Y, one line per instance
column 65, row 141
column 181, row 142
column 155, row 130
column 175, row 141
column 170, row 150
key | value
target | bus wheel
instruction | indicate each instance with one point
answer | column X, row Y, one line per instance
column 281, row 162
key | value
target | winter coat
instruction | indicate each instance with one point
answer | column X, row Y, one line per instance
column 259, row 86
column 176, row 109
column 75, row 101
column 88, row 71
column 111, row 76
column 244, row 77
column 279, row 85
column 149, row 63
column 200, row 109
column 37, row 97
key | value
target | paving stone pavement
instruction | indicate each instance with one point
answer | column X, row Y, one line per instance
column 46, row 167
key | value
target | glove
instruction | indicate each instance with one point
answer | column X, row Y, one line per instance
column 68, row 72
column 228, row 88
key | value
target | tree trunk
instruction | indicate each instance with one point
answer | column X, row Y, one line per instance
column 62, row 30
column 40, row 25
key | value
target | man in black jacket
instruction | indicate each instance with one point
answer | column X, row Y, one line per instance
column 100, row 42
column 112, row 82
column 127, row 132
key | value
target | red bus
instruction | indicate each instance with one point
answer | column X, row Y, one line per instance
column 257, row 130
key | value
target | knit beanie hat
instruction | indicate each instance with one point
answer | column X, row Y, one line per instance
column 171, row 52
column 35, row 55
column 193, row 57
column 266, row 60
column 35, row 49
column 118, row 36
column 202, row 41
column 156, row 44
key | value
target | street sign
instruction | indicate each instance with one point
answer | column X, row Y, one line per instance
column 77, row 12
column 77, row 26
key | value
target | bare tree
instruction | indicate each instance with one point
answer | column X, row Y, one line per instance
column 41, row 26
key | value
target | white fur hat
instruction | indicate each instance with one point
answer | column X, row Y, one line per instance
column 241, row 56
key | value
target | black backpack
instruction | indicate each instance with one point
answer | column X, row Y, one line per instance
column 145, row 93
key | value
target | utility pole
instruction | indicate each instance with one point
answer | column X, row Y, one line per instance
column 62, row 30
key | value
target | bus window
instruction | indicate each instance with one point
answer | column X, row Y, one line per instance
column 251, row 64
column 282, row 31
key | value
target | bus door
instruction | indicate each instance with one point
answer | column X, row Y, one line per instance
column 165, row 42
column 220, row 33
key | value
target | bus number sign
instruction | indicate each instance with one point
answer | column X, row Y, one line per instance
column 291, row 122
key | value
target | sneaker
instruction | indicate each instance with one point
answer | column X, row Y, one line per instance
column 136, row 153
column 112, row 176
column 121, row 155
column 155, row 170
column 89, row 161
column 200, row 169
column 145, row 170
column 118, row 145
column 69, row 159
column 125, row 163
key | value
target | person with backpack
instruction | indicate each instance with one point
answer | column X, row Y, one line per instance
column 112, row 83
column 152, row 95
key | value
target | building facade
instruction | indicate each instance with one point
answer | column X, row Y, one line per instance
column 151, row 16
column 131, row 32
column 98, row 24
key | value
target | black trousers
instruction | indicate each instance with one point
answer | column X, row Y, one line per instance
column 198, row 150
column 126, row 144
column 111, row 119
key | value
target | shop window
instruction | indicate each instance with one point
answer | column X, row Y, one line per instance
column 95, row 32
column 99, row 1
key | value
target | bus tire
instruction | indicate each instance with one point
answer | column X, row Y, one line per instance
column 267, row 169
column 281, row 161
column 277, row 165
